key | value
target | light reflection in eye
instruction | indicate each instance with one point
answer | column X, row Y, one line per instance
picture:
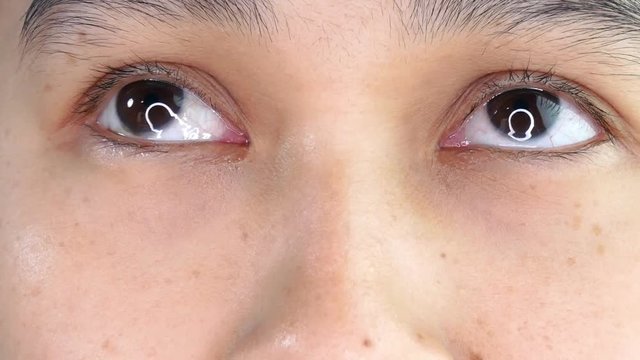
column 189, row 132
column 162, row 112
column 525, row 119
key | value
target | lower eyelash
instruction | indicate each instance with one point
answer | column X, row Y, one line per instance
column 108, row 143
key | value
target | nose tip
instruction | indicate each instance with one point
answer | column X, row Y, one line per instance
column 327, row 314
column 341, row 291
column 330, row 340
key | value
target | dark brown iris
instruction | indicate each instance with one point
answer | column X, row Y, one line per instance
column 531, row 111
column 134, row 100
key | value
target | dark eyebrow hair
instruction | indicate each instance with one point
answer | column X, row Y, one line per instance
column 595, row 19
column 51, row 22
column 607, row 27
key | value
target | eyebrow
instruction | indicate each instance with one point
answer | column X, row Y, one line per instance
column 52, row 22
column 594, row 19
column 612, row 25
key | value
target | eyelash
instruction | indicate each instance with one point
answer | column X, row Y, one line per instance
column 109, row 78
column 513, row 79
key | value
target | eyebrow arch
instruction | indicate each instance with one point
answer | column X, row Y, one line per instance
column 51, row 22
column 594, row 19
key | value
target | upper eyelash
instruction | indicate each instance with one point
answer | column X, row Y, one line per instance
column 110, row 77
column 529, row 78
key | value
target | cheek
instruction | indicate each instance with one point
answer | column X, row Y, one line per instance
column 555, row 260
column 133, row 244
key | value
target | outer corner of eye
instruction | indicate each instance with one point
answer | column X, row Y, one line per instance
column 525, row 119
column 162, row 112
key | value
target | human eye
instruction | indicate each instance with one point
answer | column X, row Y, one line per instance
column 151, row 105
column 530, row 113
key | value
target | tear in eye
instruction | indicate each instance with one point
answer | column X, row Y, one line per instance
column 525, row 119
column 159, row 111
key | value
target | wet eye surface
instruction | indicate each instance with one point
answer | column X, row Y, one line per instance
column 526, row 119
column 136, row 110
column 158, row 111
column 523, row 114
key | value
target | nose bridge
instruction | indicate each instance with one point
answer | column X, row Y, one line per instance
column 334, row 298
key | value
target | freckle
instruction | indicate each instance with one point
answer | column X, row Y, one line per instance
column 196, row 274
column 420, row 337
column 597, row 230
column 152, row 352
column 47, row 88
column 108, row 346
column 571, row 261
column 86, row 200
column 61, row 244
column 577, row 205
column 601, row 249
column 443, row 255
column 367, row 343
column 168, row 281
column 35, row 292
column 533, row 187
column 577, row 222
column 475, row 356
column 245, row 237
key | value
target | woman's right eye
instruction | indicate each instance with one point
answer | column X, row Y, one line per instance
column 161, row 112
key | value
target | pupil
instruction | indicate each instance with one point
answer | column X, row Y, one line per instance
column 523, row 114
column 135, row 98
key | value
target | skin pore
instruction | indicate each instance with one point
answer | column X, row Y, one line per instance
column 342, row 228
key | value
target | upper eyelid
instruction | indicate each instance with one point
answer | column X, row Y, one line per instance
column 111, row 78
column 498, row 83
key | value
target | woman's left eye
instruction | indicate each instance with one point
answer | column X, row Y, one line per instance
column 525, row 119
column 162, row 112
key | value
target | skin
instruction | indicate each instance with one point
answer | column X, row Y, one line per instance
column 340, row 232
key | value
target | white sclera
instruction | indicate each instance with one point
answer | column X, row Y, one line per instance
column 196, row 122
column 571, row 127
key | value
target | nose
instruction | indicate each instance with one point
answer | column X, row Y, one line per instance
column 359, row 280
